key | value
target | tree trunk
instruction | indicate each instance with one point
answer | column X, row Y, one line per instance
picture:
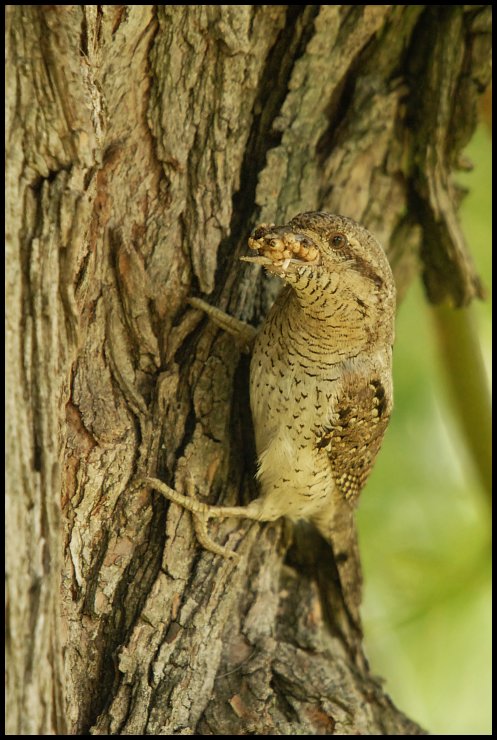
column 143, row 144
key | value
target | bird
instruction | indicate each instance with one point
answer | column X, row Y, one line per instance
column 321, row 391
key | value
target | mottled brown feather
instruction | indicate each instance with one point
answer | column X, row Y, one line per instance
column 354, row 441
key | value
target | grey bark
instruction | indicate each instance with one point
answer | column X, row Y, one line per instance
column 143, row 144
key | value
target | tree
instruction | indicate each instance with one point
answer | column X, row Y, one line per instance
column 143, row 144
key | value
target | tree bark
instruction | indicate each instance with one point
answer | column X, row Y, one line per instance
column 143, row 144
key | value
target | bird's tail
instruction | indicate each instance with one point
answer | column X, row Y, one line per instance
column 337, row 526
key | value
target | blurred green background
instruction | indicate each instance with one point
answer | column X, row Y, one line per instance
column 424, row 518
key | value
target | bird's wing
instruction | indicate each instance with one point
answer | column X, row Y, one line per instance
column 354, row 439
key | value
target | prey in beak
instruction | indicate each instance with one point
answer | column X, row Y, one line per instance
column 279, row 247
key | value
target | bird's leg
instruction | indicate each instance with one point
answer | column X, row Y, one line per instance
column 241, row 331
column 202, row 512
column 244, row 334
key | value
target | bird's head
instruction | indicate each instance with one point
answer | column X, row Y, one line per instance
column 318, row 244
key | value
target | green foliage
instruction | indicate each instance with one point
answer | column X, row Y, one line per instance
column 424, row 518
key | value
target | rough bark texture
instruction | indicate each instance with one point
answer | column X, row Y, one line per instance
column 143, row 144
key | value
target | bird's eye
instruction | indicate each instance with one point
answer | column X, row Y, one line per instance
column 339, row 241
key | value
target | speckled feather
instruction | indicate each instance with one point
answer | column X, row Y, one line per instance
column 321, row 388
column 353, row 442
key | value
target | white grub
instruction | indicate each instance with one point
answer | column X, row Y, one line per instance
column 284, row 248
